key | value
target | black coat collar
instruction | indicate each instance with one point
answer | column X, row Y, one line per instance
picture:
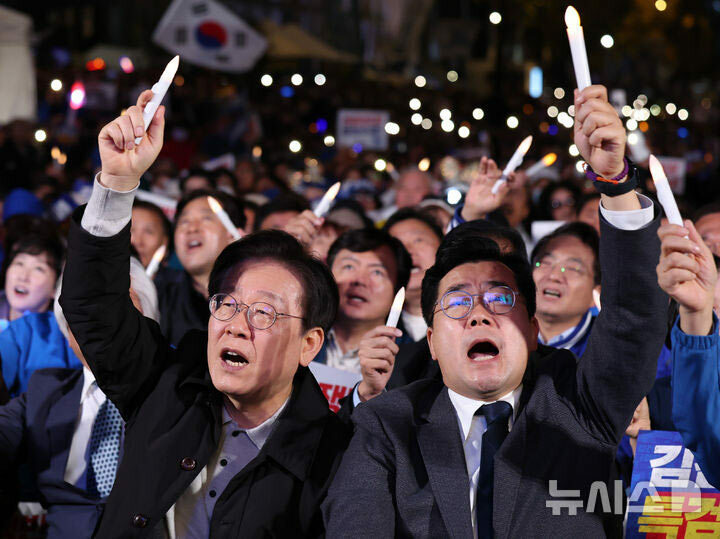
column 299, row 428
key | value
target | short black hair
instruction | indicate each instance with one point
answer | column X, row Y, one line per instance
column 198, row 172
column 456, row 250
column 320, row 297
column 483, row 228
column 583, row 232
column 707, row 209
column 47, row 243
column 281, row 203
column 229, row 203
column 362, row 240
column 152, row 208
column 405, row 214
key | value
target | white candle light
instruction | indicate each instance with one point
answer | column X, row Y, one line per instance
column 515, row 161
column 577, row 48
column 154, row 264
column 546, row 161
column 327, row 199
column 159, row 89
column 664, row 193
column 224, row 218
column 396, row 309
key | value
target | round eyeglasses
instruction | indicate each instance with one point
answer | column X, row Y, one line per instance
column 259, row 315
column 458, row 304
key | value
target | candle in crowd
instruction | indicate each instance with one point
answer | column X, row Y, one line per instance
column 577, row 48
column 515, row 161
column 224, row 218
column 324, row 206
column 154, row 264
column 664, row 193
column 546, row 161
column 396, row 309
column 159, row 89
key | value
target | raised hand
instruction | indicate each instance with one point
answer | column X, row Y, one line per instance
column 599, row 132
column 479, row 200
column 123, row 162
column 377, row 358
column 304, row 227
column 687, row 273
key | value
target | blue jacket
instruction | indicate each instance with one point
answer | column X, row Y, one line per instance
column 696, row 396
column 33, row 342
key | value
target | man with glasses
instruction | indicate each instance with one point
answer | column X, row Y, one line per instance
column 513, row 427
column 229, row 435
column 566, row 271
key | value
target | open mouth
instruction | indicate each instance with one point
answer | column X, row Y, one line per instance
column 21, row 291
column 415, row 269
column 194, row 244
column 483, row 350
column 355, row 299
column 551, row 292
column 233, row 358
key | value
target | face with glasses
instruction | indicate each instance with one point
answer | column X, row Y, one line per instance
column 564, row 278
column 562, row 205
column 481, row 332
column 256, row 339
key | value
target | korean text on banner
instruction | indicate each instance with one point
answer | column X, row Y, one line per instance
column 335, row 384
column 670, row 496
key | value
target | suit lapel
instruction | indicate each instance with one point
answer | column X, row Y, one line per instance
column 61, row 419
column 444, row 457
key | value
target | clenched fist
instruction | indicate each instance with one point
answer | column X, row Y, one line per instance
column 377, row 358
column 124, row 162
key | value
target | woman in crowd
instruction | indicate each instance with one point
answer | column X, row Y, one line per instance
column 32, row 268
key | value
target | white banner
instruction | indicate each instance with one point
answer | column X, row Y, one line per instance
column 335, row 384
column 363, row 127
column 18, row 96
column 167, row 205
column 206, row 33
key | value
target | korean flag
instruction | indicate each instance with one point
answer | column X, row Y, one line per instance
column 206, row 33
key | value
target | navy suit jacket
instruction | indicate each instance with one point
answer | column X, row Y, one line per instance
column 37, row 428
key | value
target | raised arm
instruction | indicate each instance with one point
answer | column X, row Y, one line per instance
column 125, row 351
column 687, row 272
column 618, row 367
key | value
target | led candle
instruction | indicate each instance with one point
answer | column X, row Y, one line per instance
column 515, row 161
column 224, row 218
column 159, row 89
column 327, row 199
column 396, row 308
column 664, row 193
column 546, row 161
column 577, row 48
column 154, row 264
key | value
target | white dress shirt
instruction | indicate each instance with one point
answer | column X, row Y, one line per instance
column 414, row 325
column 472, row 428
column 190, row 517
column 91, row 399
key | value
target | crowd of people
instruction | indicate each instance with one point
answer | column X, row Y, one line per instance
column 180, row 404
